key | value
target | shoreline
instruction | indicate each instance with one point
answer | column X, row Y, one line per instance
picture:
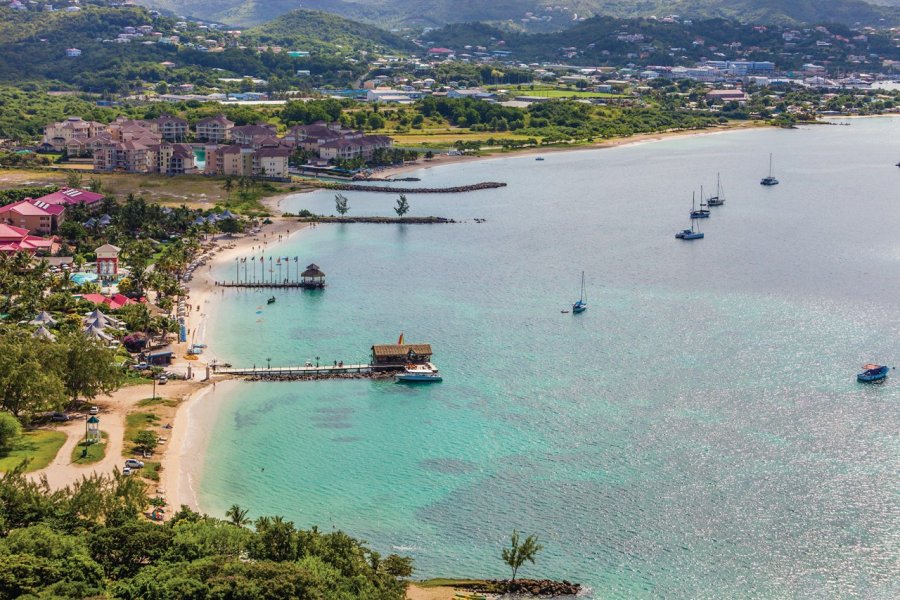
column 641, row 138
column 196, row 415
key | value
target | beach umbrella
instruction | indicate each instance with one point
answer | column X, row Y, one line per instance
column 99, row 322
column 43, row 318
column 43, row 332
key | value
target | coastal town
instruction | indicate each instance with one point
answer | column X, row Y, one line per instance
column 156, row 168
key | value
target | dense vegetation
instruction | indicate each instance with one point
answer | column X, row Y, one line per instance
column 598, row 41
column 33, row 49
column 91, row 540
column 440, row 12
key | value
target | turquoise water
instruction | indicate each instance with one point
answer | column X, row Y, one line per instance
column 698, row 432
column 80, row 278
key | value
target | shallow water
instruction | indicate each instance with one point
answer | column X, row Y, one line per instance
column 698, row 432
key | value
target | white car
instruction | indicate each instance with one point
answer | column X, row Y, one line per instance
column 132, row 463
column 126, row 471
column 95, row 410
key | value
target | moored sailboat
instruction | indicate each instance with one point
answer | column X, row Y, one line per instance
column 770, row 180
column 703, row 213
column 719, row 198
column 581, row 305
column 692, row 233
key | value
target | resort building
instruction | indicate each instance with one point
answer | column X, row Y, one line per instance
column 171, row 159
column 214, row 129
column 129, row 157
column 172, row 129
column 37, row 216
column 271, row 162
column 17, row 239
column 246, row 134
column 59, row 135
column 68, row 196
column 347, row 149
column 107, row 261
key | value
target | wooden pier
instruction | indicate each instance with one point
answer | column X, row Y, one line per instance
column 271, row 284
column 245, row 274
column 320, row 372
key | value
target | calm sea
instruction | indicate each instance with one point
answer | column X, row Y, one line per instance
column 698, row 432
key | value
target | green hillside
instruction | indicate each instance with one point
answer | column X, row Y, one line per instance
column 33, row 48
column 303, row 29
column 556, row 14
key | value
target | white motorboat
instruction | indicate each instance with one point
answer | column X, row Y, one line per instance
column 424, row 373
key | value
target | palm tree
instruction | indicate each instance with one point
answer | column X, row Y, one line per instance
column 237, row 515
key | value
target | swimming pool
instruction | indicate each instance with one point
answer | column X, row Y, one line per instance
column 80, row 278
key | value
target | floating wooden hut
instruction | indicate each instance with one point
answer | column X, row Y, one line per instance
column 312, row 277
column 396, row 356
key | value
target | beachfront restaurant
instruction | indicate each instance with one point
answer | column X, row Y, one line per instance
column 396, row 356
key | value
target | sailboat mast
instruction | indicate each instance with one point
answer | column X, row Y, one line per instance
column 770, row 164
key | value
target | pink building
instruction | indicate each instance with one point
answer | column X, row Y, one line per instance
column 17, row 239
column 107, row 261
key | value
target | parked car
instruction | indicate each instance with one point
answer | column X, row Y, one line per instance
column 95, row 410
column 58, row 416
column 163, row 379
column 141, row 366
column 126, row 471
column 133, row 463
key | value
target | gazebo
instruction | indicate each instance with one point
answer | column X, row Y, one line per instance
column 313, row 277
column 98, row 333
column 92, row 434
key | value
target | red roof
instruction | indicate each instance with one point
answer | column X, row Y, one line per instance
column 11, row 233
column 115, row 302
column 69, row 196
column 34, row 208
column 440, row 51
column 15, row 239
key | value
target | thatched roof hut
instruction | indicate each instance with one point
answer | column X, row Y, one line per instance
column 43, row 332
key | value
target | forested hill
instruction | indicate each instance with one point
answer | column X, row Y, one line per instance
column 304, row 29
column 612, row 41
column 545, row 14
column 33, row 47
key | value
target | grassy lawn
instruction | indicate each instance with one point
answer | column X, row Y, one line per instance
column 561, row 93
column 447, row 135
column 41, row 446
column 158, row 401
column 196, row 191
column 95, row 451
column 151, row 470
column 135, row 422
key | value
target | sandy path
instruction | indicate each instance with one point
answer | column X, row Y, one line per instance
column 61, row 472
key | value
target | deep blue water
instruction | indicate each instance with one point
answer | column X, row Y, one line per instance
column 698, row 432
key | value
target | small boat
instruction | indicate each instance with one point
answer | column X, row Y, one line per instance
column 581, row 305
column 703, row 213
column 271, row 300
column 872, row 374
column 770, row 180
column 539, row 158
column 424, row 373
column 719, row 198
column 692, row 233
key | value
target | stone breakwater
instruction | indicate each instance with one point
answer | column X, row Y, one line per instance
column 385, row 189
column 539, row 588
column 413, row 220
column 318, row 376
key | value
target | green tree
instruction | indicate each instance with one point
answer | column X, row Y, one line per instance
column 517, row 553
column 145, row 441
column 89, row 368
column 10, row 429
column 74, row 179
column 397, row 566
column 402, row 206
column 341, row 204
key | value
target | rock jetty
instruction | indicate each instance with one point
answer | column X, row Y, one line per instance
column 537, row 588
column 385, row 189
column 394, row 220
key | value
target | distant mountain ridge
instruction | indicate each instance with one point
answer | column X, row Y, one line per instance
column 556, row 14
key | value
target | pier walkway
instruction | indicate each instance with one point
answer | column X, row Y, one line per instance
column 298, row 372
